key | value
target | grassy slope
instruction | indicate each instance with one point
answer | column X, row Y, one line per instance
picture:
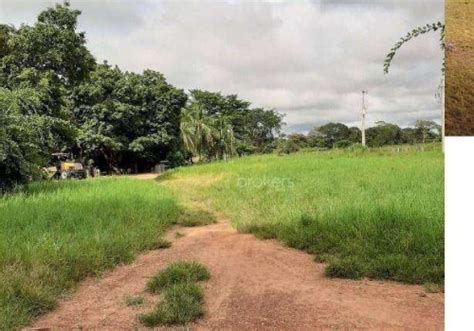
column 56, row 234
column 459, row 67
column 377, row 214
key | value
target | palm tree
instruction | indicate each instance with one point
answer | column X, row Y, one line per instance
column 196, row 133
column 203, row 135
column 224, row 137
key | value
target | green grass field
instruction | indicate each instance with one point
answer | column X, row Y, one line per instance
column 55, row 234
column 376, row 214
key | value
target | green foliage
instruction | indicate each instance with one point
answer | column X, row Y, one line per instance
column 342, row 144
column 182, row 303
column 374, row 213
column 51, row 45
column 339, row 135
column 208, row 136
column 175, row 273
column 122, row 121
column 127, row 120
column 287, row 146
column 429, row 130
column 383, row 134
column 299, row 139
column 55, row 234
column 410, row 35
column 214, row 126
column 19, row 152
column 38, row 66
column 327, row 135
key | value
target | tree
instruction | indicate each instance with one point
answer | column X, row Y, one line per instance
column 383, row 134
column 248, row 130
column 206, row 133
column 127, row 120
column 38, row 65
column 299, row 139
column 196, row 130
column 429, row 130
column 260, row 129
column 51, row 46
column 287, row 146
column 410, row 136
column 355, row 135
column 326, row 136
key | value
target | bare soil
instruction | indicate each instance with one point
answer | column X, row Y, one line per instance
column 254, row 285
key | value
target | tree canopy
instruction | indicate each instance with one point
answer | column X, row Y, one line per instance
column 54, row 97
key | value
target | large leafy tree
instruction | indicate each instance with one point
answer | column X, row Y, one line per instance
column 383, row 134
column 38, row 66
column 327, row 135
column 261, row 130
column 52, row 45
column 127, row 120
column 428, row 130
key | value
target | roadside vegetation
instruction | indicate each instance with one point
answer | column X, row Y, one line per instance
column 181, row 298
column 374, row 213
column 54, row 234
column 459, row 68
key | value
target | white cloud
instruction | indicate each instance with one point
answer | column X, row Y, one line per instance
column 308, row 59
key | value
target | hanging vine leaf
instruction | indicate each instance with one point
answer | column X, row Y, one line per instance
column 413, row 34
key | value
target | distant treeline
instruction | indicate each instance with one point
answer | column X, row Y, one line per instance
column 338, row 135
column 55, row 97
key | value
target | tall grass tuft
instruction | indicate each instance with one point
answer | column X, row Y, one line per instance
column 178, row 272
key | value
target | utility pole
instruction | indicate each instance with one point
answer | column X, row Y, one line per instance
column 443, row 124
column 364, row 113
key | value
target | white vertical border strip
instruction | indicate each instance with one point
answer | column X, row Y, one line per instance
column 459, row 235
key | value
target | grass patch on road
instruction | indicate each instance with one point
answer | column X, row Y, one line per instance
column 182, row 299
column 179, row 272
column 377, row 214
column 182, row 303
column 195, row 217
column 55, row 234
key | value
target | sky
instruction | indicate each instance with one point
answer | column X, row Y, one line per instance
column 309, row 60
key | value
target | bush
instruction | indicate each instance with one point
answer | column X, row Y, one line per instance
column 287, row 147
column 342, row 144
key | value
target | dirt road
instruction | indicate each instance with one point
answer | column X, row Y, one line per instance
column 254, row 285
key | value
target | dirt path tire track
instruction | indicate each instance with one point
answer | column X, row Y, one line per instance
column 254, row 285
